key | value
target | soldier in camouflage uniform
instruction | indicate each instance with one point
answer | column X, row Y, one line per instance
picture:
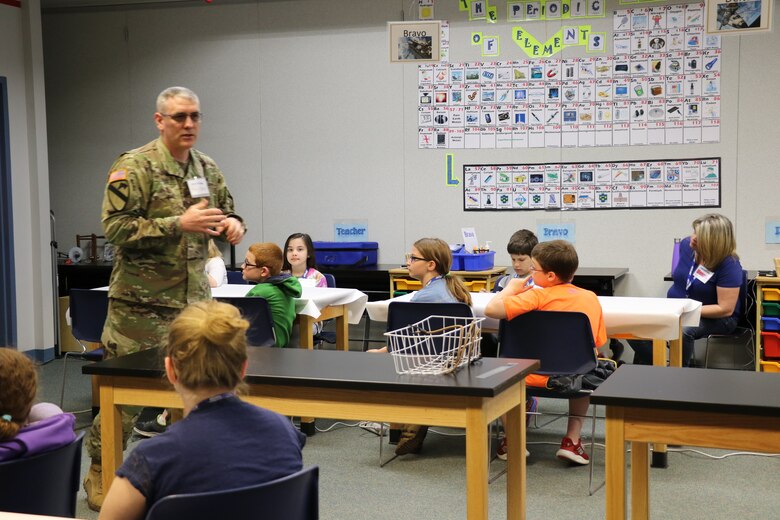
column 162, row 204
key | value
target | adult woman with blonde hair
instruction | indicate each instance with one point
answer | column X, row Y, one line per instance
column 708, row 271
column 223, row 442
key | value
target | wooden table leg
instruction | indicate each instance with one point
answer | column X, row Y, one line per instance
column 110, row 434
column 516, row 476
column 306, row 331
column 615, row 464
column 640, row 481
column 659, row 360
column 659, row 352
column 342, row 330
column 675, row 349
column 476, row 463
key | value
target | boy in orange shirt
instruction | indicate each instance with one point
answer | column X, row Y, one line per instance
column 553, row 265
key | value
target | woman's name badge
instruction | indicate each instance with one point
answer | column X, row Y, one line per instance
column 702, row 274
column 198, row 187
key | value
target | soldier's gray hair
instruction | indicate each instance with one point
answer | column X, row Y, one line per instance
column 172, row 92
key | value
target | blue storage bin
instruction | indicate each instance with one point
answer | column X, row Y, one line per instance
column 349, row 254
column 769, row 323
column 457, row 262
column 473, row 261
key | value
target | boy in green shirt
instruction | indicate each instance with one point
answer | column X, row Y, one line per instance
column 263, row 266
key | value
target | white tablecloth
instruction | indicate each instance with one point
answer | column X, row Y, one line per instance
column 652, row 318
column 311, row 302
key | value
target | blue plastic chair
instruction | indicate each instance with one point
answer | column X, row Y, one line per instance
column 88, row 311
column 44, row 484
column 235, row 277
column 261, row 323
column 294, row 497
column 562, row 342
column 402, row 314
column 330, row 279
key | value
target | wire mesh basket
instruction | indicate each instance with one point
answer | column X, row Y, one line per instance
column 435, row 345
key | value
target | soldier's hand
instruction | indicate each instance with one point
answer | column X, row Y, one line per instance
column 233, row 229
column 199, row 218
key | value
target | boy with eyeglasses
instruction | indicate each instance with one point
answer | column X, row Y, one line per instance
column 553, row 265
column 263, row 266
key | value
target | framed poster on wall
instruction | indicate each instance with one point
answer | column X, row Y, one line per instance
column 739, row 17
column 417, row 42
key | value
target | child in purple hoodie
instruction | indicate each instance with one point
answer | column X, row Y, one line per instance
column 27, row 429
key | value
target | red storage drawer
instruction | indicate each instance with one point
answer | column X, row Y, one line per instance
column 771, row 343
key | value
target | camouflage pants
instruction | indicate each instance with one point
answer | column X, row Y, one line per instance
column 130, row 327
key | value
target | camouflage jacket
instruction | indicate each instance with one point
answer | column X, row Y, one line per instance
column 155, row 262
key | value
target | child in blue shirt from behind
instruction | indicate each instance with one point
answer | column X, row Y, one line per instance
column 429, row 262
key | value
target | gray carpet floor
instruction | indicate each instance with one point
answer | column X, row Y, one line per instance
column 703, row 483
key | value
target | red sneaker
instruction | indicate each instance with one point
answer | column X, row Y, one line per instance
column 501, row 451
column 572, row 452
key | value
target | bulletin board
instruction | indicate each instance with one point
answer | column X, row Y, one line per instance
column 660, row 86
column 675, row 183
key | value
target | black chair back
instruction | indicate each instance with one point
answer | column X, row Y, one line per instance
column 294, row 497
column 402, row 314
column 261, row 323
column 236, row 277
column 44, row 484
column 88, row 311
column 330, row 279
column 562, row 341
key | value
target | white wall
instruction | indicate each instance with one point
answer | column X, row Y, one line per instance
column 311, row 123
column 21, row 61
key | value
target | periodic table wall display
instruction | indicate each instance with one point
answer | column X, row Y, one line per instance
column 690, row 183
column 661, row 85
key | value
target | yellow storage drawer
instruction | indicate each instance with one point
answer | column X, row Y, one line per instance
column 771, row 294
column 475, row 285
column 770, row 366
column 405, row 284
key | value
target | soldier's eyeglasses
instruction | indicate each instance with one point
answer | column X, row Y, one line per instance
column 181, row 117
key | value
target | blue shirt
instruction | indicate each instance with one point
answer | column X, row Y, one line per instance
column 435, row 292
column 223, row 444
column 727, row 274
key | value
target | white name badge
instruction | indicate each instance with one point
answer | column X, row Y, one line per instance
column 198, row 187
column 702, row 274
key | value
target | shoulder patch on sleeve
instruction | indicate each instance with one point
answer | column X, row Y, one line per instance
column 118, row 194
column 117, row 175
